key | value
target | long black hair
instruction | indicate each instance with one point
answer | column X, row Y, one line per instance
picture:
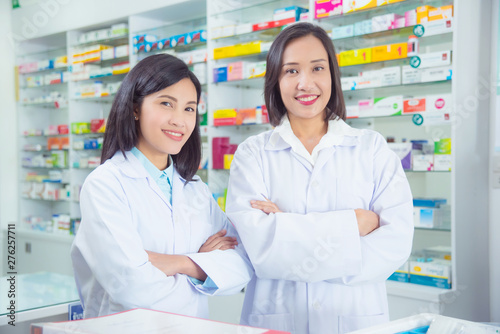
column 149, row 76
column 272, row 96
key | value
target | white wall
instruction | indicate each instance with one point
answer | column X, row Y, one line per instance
column 8, row 127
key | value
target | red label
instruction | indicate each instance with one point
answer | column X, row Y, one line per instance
column 439, row 103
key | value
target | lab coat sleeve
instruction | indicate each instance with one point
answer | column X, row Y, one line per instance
column 300, row 247
column 230, row 269
column 109, row 248
column 388, row 247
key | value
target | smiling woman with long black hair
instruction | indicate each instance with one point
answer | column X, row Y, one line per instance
column 151, row 234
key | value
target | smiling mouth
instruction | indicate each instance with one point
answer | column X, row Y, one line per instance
column 308, row 98
column 176, row 134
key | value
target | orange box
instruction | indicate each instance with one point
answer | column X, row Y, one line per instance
column 389, row 52
column 54, row 143
column 356, row 57
column 440, row 13
column 423, row 13
column 413, row 105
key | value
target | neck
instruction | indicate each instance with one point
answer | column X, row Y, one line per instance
column 161, row 161
column 309, row 131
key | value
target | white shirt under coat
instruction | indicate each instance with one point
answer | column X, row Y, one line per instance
column 124, row 213
column 313, row 272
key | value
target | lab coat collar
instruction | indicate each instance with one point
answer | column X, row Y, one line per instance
column 339, row 134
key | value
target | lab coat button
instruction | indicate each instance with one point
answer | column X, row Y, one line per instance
column 317, row 306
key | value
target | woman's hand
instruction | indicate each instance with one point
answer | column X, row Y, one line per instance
column 218, row 241
column 171, row 265
column 368, row 221
column 265, row 206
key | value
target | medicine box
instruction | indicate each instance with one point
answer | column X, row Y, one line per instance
column 440, row 13
column 325, row 8
column 423, row 162
column 389, row 52
column 410, row 75
column 442, row 162
column 220, row 74
column 390, row 76
column 354, row 5
column 388, row 106
column 402, row 274
column 436, row 74
column 356, row 57
column 436, row 273
column 385, row 22
column 362, row 27
column 414, row 105
column 435, row 59
column 342, row 32
column 424, row 217
column 289, row 12
column 440, row 102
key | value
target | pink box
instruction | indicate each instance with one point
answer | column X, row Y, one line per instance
column 220, row 147
column 411, row 18
column 399, row 23
column 235, row 71
column 325, row 8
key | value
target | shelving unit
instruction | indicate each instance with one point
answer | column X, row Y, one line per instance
column 69, row 108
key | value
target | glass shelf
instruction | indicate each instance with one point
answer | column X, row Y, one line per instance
column 57, row 51
column 45, row 150
column 45, row 200
column 175, row 28
column 107, row 61
column 42, row 182
column 267, row 35
column 234, row 11
column 248, row 126
column 42, row 289
column 111, row 41
column 48, row 70
column 56, row 85
column 90, row 134
column 106, row 78
column 101, row 99
column 441, row 229
column 178, row 48
column 49, row 105
column 428, row 171
column 255, row 83
column 392, row 88
column 46, row 168
column 254, row 56
column 87, row 149
column 396, row 8
column 45, row 136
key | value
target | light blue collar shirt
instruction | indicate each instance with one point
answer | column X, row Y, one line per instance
column 162, row 177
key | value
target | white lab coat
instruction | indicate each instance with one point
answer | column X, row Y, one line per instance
column 314, row 273
column 124, row 213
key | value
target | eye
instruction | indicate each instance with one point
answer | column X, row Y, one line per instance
column 319, row 68
column 190, row 109
column 166, row 104
column 291, row 71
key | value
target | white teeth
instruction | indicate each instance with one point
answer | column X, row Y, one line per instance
column 307, row 99
column 173, row 133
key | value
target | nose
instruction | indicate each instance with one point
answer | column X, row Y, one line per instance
column 305, row 81
column 177, row 119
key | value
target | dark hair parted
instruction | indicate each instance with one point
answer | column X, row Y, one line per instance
column 274, row 103
column 149, row 76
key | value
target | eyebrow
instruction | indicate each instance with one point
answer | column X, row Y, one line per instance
column 174, row 99
column 312, row 61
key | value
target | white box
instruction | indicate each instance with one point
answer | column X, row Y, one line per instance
column 121, row 51
column 347, row 83
column 108, row 54
column 442, row 162
column 390, row 76
column 244, row 28
column 436, row 74
column 411, row 75
column 435, row 59
column 423, row 162
column 342, row 32
column 439, row 102
column 388, row 106
column 352, row 111
column 384, row 22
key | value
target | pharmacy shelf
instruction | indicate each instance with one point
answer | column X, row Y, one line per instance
column 108, row 62
column 45, row 235
column 104, row 99
column 45, row 200
column 178, row 48
column 47, row 70
column 254, row 11
column 419, row 292
column 45, row 150
column 55, row 85
column 46, row 168
column 263, row 34
column 394, row 88
column 48, row 105
column 45, row 136
column 112, row 41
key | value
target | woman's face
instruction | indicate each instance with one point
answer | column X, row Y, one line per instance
column 305, row 81
column 166, row 119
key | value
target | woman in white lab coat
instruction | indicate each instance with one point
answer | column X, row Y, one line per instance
column 151, row 235
column 323, row 210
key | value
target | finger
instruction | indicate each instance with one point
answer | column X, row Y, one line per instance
column 219, row 234
column 224, row 241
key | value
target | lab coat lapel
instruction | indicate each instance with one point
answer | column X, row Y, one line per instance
column 323, row 157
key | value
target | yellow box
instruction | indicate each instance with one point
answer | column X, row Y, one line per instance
column 440, row 13
column 247, row 48
column 423, row 13
column 225, row 52
column 349, row 6
column 228, row 158
column 225, row 113
column 389, row 52
column 356, row 57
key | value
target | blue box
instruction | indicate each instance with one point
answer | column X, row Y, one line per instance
column 220, row 74
column 196, row 36
column 399, row 277
column 163, row 43
column 178, row 40
column 75, row 311
column 137, row 39
column 429, row 202
column 150, row 46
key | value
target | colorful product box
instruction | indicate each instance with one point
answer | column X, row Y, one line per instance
column 440, row 13
column 438, row 103
column 389, row 52
column 255, row 70
column 236, row 70
column 356, row 57
column 249, row 48
column 178, row 40
column 220, row 74
column 365, row 107
column 325, row 8
column 423, row 162
column 289, row 12
column 196, row 36
column 224, row 117
column 150, row 46
column 388, row 106
column 342, row 32
column 386, row 22
column 423, row 13
column 163, row 44
column 225, row 52
column 244, row 28
column 442, row 146
column 411, row 18
column 442, row 162
column 121, row 68
column 436, row 273
column 97, row 125
column 272, row 24
column 349, row 6
column 137, row 39
column 414, row 105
